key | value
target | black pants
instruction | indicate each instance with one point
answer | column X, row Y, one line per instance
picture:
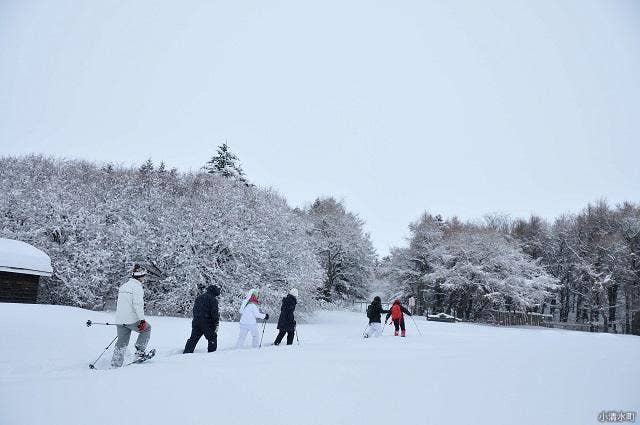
column 399, row 324
column 289, row 332
column 201, row 327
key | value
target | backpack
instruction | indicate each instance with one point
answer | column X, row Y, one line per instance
column 370, row 311
column 396, row 312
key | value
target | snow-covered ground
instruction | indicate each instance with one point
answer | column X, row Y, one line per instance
column 453, row 374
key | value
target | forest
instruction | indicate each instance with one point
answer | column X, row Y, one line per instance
column 199, row 228
column 581, row 269
column 215, row 226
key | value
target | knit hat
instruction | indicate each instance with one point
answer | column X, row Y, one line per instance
column 254, row 298
column 138, row 271
column 294, row 292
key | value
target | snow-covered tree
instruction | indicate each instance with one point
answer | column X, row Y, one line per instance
column 198, row 228
column 465, row 269
column 226, row 164
column 344, row 249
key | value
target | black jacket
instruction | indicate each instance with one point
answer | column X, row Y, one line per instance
column 206, row 305
column 286, row 322
column 376, row 311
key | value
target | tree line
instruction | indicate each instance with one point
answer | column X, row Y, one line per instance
column 198, row 228
column 215, row 226
column 581, row 268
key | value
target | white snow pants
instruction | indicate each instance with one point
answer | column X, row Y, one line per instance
column 242, row 335
column 374, row 329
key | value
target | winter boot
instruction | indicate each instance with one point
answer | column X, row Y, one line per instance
column 404, row 333
column 118, row 357
column 395, row 333
column 139, row 353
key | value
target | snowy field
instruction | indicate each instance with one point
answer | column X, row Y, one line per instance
column 453, row 374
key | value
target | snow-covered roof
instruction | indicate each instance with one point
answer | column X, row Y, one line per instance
column 20, row 257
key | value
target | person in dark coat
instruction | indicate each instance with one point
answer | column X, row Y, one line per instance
column 374, row 311
column 286, row 322
column 206, row 318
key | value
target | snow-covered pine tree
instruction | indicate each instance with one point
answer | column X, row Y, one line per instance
column 147, row 167
column 226, row 164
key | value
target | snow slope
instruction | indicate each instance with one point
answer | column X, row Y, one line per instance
column 453, row 374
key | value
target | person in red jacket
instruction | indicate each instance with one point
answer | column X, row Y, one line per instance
column 397, row 313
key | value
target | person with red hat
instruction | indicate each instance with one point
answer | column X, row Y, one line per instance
column 397, row 313
column 249, row 313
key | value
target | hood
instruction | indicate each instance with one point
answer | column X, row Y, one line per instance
column 214, row 290
column 251, row 293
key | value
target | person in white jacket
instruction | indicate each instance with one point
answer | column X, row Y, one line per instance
column 249, row 312
column 130, row 316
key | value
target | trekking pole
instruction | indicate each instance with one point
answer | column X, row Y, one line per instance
column 414, row 322
column 93, row 365
column 263, row 326
column 89, row 323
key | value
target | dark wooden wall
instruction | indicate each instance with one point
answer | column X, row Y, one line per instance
column 18, row 288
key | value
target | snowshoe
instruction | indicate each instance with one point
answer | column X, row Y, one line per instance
column 142, row 357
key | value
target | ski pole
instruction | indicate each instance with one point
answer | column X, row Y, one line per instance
column 89, row 323
column 414, row 322
column 263, row 326
column 296, row 332
column 93, row 365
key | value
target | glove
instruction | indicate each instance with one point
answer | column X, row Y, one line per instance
column 142, row 325
column 266, row 316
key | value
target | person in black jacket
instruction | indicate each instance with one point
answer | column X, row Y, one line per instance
column 206, row 318
column 374, row 311
column 286, row 322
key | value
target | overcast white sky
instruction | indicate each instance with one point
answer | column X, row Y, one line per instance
column 459, row 108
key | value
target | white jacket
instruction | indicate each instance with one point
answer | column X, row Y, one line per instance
column 130, row 307
column 249, row 315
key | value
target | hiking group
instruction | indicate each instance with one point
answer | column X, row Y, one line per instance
column 206, row 318
column 374, row 314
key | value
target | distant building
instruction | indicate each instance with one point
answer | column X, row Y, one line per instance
column 21, row 266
